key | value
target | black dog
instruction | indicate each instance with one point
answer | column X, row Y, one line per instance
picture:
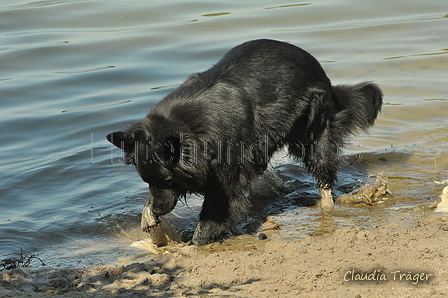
column 217, row 131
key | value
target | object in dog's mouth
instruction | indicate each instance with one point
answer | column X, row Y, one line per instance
column 163, row 233
column 160, row 230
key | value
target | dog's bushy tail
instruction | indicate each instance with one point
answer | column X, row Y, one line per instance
column 357, row 107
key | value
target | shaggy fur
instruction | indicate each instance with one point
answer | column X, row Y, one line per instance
column 217, row 131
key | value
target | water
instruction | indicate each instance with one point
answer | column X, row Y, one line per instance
column 73, row 71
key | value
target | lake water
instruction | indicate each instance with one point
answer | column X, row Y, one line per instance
column 72, row 71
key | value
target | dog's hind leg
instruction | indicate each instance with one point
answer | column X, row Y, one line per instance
column 321, row 159
column 326, row 197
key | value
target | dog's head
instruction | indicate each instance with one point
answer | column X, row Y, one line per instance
column 157, row 161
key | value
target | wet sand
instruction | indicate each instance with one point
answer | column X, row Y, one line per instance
column 397, row 259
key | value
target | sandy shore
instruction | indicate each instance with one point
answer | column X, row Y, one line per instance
column 397, row 260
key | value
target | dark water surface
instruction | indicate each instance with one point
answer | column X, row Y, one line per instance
column 73, row 71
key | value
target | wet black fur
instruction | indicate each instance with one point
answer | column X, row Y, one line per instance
column 217, row 131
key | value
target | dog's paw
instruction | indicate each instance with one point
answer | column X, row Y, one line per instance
column 203, row 234
column 208, row 231
column 326, row 199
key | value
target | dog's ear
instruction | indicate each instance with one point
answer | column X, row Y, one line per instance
column 122, row 140
column 172, row 149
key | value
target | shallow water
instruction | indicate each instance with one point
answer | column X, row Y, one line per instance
column 73, row 71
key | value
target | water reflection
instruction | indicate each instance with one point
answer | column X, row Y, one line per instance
column 444, row 51
column 286, row 6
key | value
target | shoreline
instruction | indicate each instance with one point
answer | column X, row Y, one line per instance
column 393, row 260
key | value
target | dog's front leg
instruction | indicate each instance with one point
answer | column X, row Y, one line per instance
column 207, row 231
column 218, row 218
